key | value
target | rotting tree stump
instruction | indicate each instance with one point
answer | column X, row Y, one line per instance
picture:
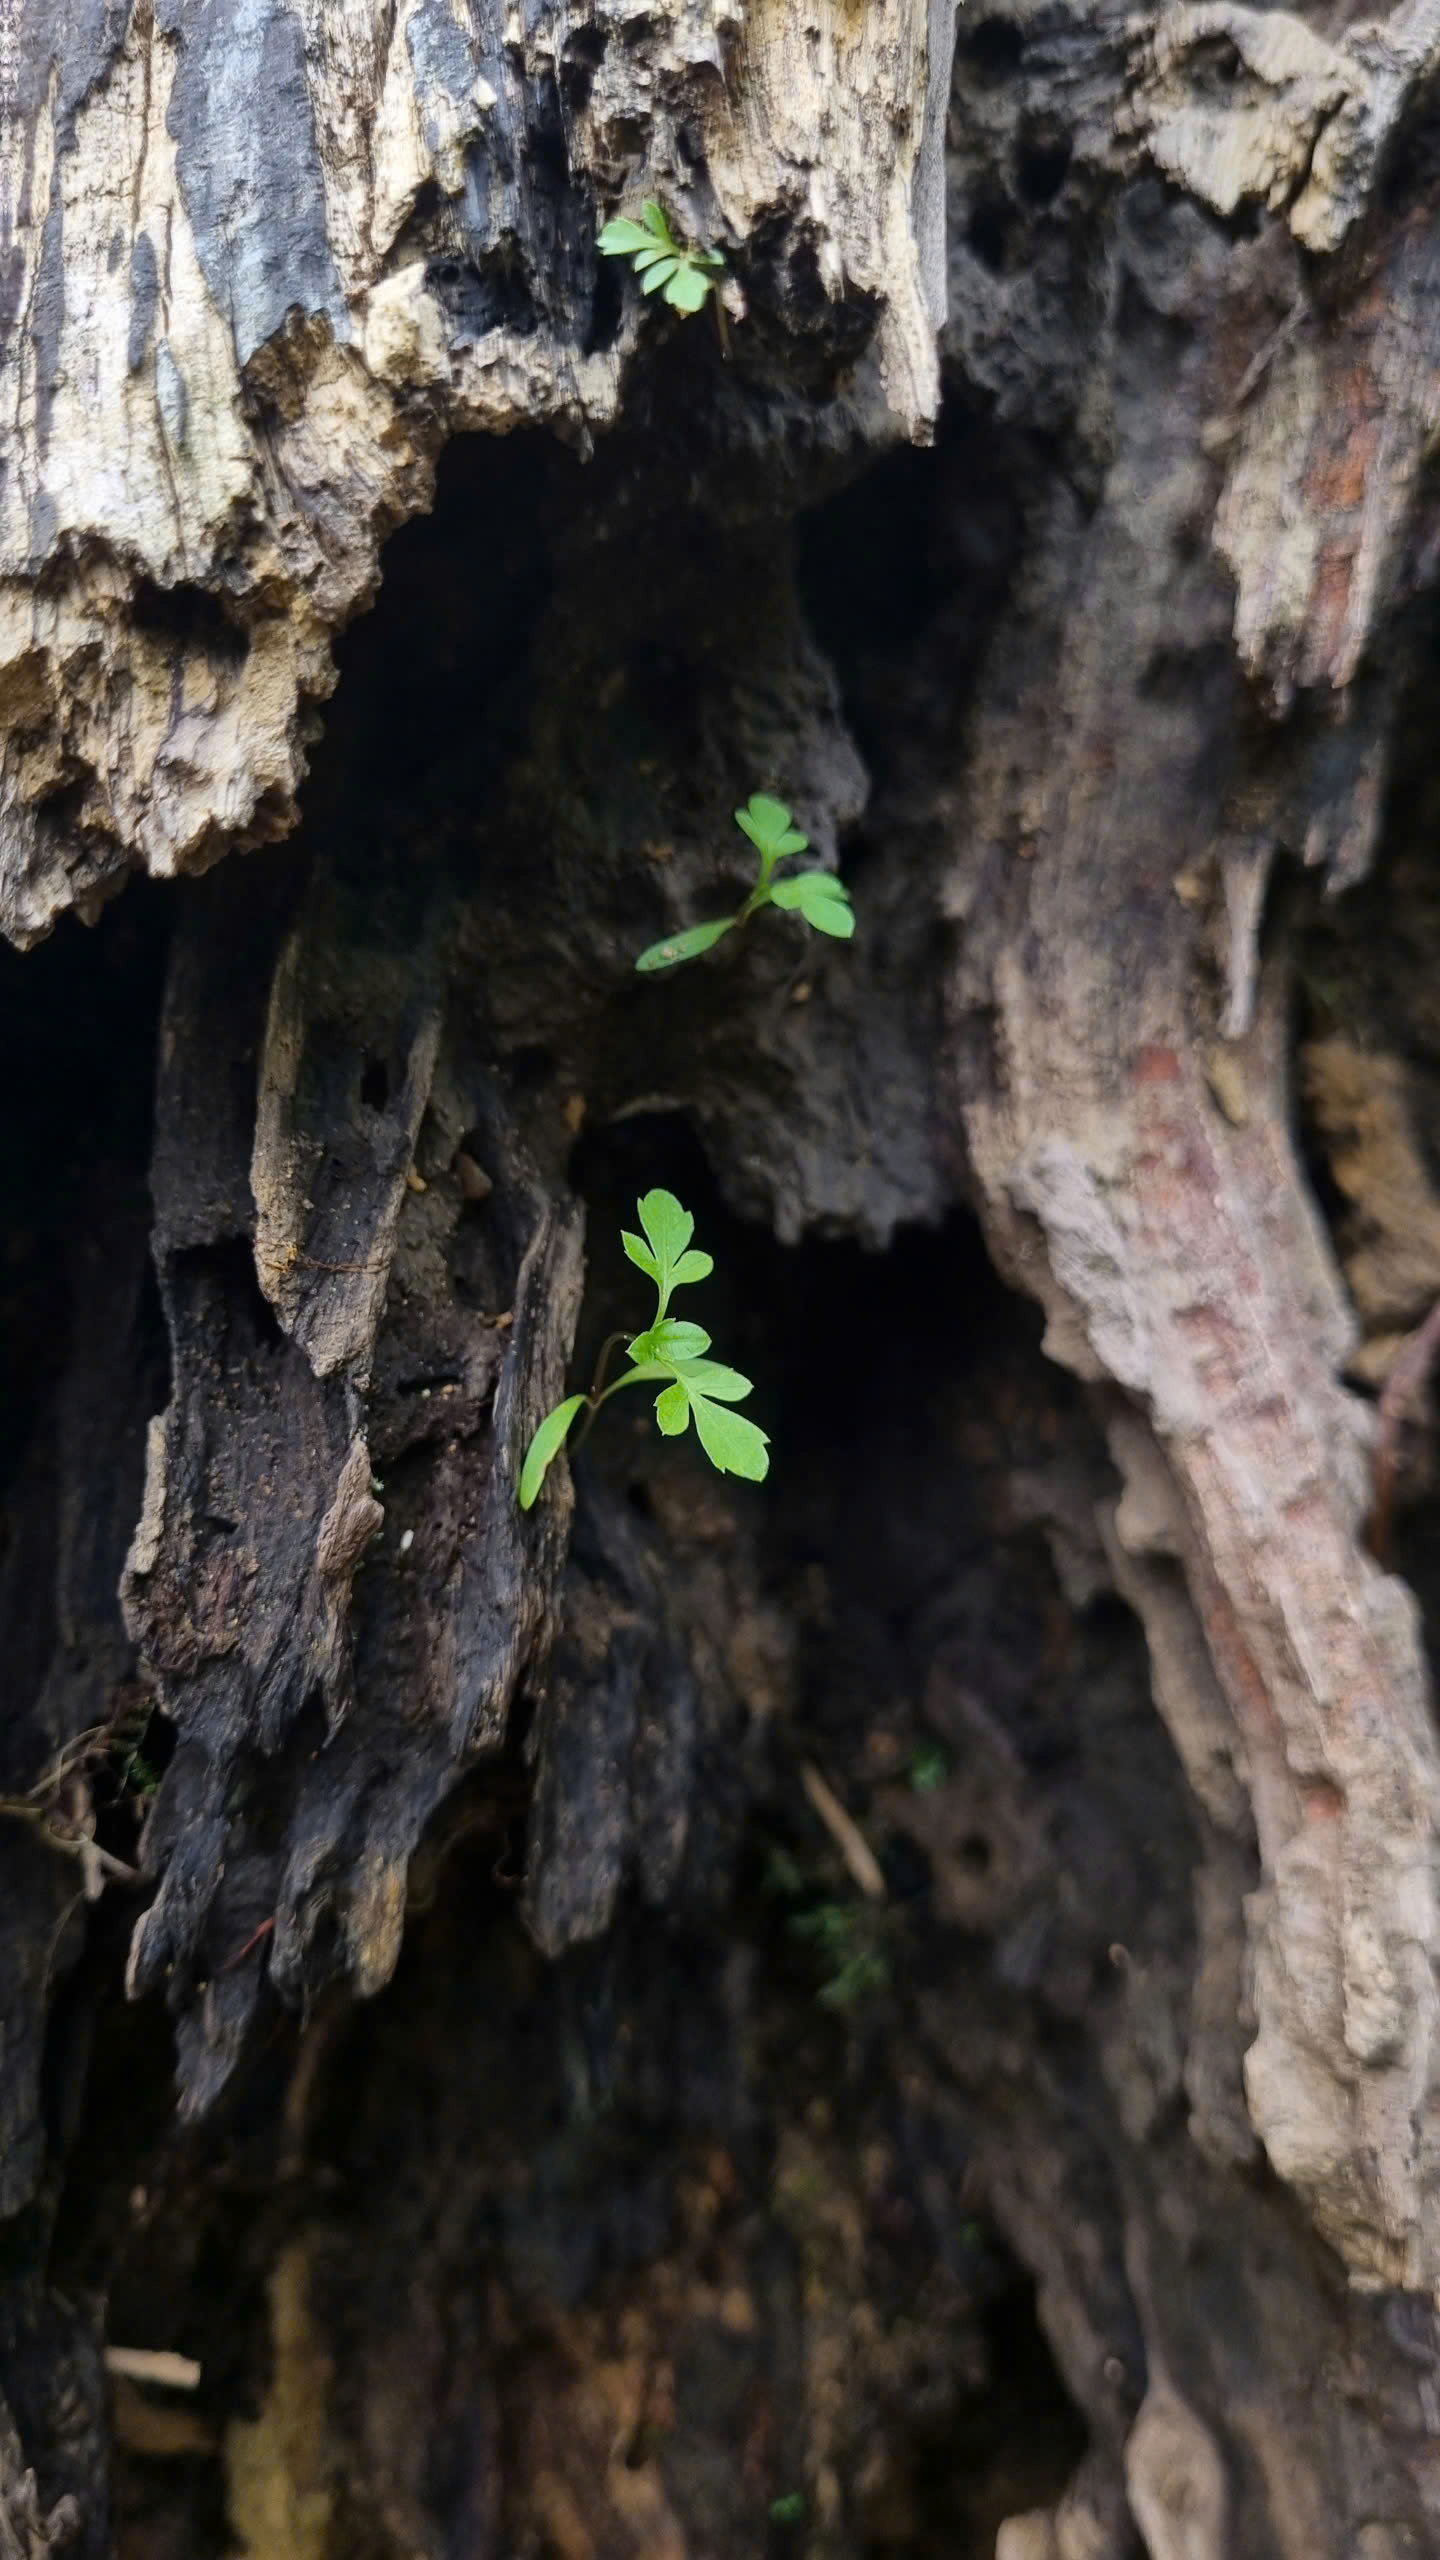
column 429, row 1995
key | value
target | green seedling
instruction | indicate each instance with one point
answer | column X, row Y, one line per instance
column 929, row 1769
column 692, row 1386
column 685, row 278
column 140, row 1778
column 817, row 896
column 843, row 1937
column 788, row 2510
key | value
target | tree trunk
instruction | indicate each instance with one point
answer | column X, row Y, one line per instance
column 893, row 2010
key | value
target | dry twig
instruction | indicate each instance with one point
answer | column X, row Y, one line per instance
column 849, row 1839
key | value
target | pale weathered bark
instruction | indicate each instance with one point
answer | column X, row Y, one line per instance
column 261, row 263
column 1113, row 702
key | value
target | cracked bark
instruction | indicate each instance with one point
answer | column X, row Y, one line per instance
column 562, row 2154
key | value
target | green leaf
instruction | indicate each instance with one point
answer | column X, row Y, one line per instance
column 662, row 263
column 641, row 1255
column 867, row 1970
column 687, row 288
column 683, row 946
column 678, row 1341
column 712, row 1378
column 672, row 1410
column 668, row 1226
column 692, row 1266
column 547, row 1443
column 821, row 899
column 735, row 1446
column 830, row 915
column 672, row 1342
column 802, row 886
column 621, row 238
column 767, row 813
column 765, row 821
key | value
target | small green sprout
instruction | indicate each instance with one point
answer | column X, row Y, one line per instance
column 140, row 1778
column 682, row 277
column 693, row 1386
column 790, row 2509
column 929, row 1769
column 818, row 896
column 855, row 1966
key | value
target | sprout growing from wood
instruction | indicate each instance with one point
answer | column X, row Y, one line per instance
column 817, row 896
column 692, row 1386
column 683, row 277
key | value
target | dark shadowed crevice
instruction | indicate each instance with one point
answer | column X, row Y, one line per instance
column 992, row 51
column 434, row 680
column 1043, row 157
column 82, row 1368
column 77, row 1035
column 904, row 574
column 191, row 616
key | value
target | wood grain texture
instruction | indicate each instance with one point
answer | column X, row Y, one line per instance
column 263, row 260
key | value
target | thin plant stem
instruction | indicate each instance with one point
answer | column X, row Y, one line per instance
column 601, row 1365
column 593, row 1402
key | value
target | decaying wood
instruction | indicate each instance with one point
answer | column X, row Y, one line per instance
column 263, row 1483
column 543, row 1790
column 1159, row 1213
column 235, row 339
